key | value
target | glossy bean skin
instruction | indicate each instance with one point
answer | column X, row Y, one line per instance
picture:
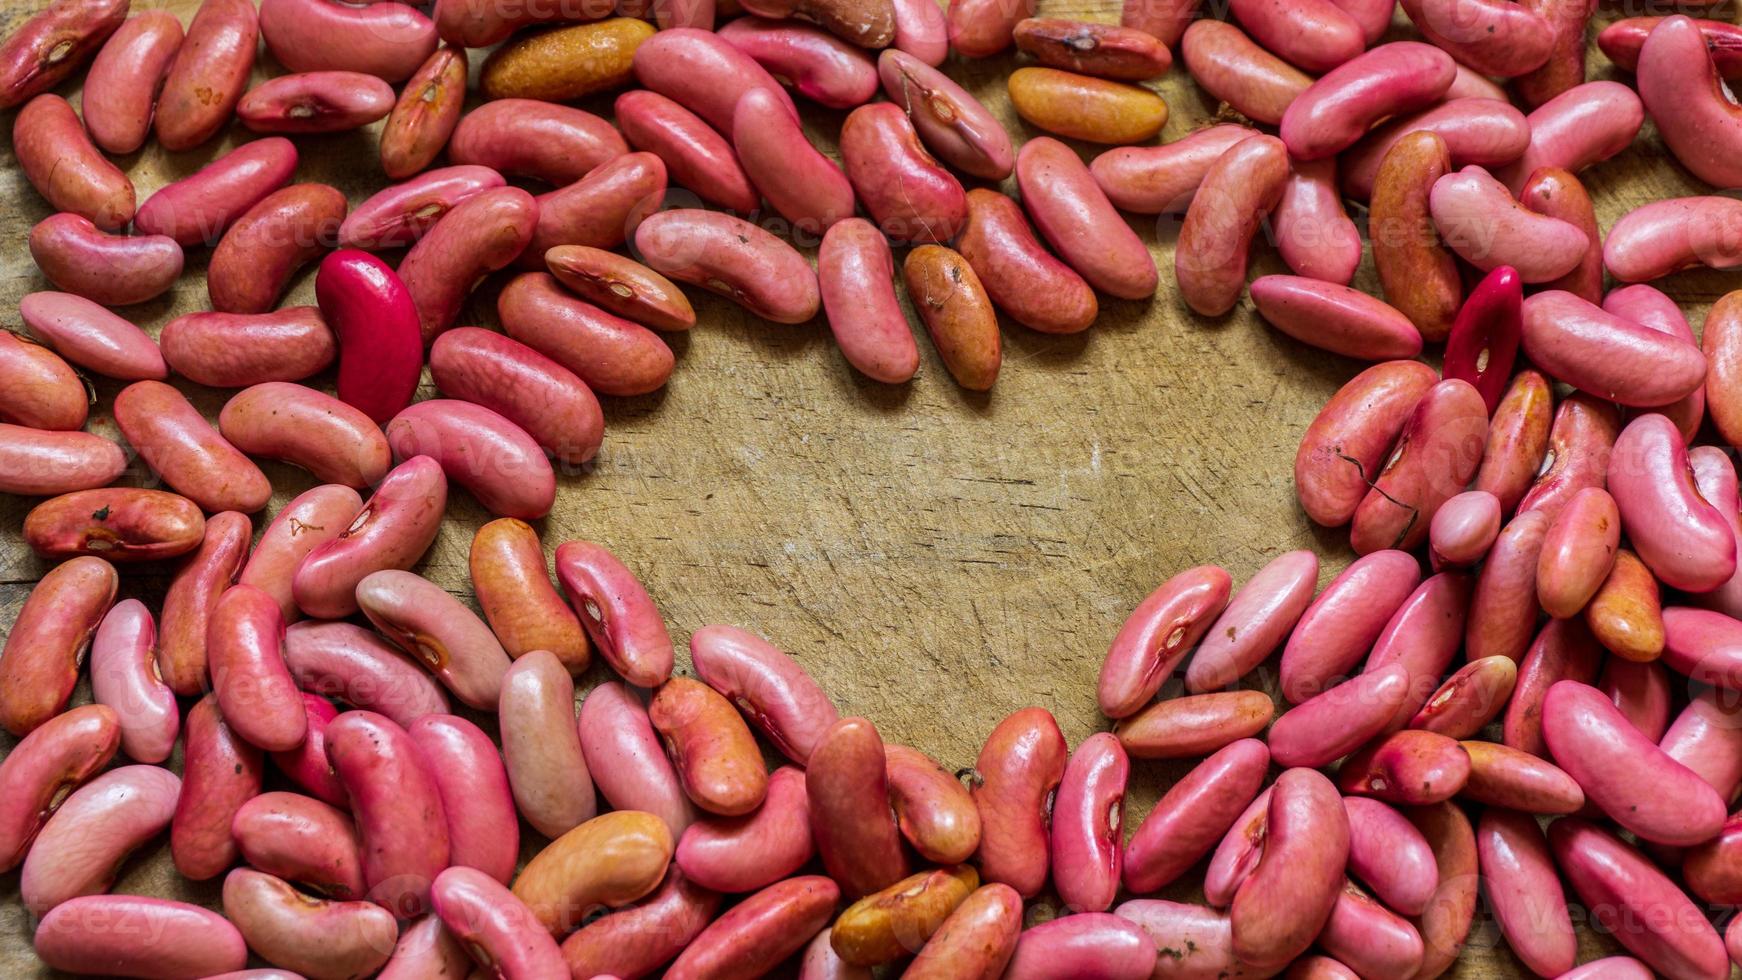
column 426, row 948
column 696, row 157
column 38, row 462
column 772, row 690
column 334, row 441
column 1375, row 939
column 1315, row 235
column 193, row 594
column 626, row 759
column 254, row 687
column 1437, row 453
column 1022, row 278
column 897, row 921
column 313, row 517
column 1335, row 317
column 1560, row 334
column 80, row 258
column 1584, row 125
column 1519, row 436
column 124, row 677
column 357, row 666
column 638, row 939
column 198, row 209
column 315, row 102
column 514, row 590
column 541, row 747
column 483, row 828
column 1663, row 237
column 523, row 137
column 186, row 451
column 38, row 389
column 403, row 213
column 1352, row 435
column 1647, row 913
column 1411, row 768
column 1478, row 218
column 712, row 749
column 481, row 234
column 1157, row 636
column 265, row 247
column 47, row 765
column 800, row 183
column 301, row 840
column 235, row 350
column 1702, row 644
column 57, row 158
column 1706, row 738
column 377, row 322
column 855, row 276
column 1418, row 274
column 759, row 932
column 1018, row 769
column 1580, row 441
column 120, row 524
column 953, row 124
column 397, row 806
column 976, row 940
column 819, row 66
column 380, row 40
column 1390, row 855
column 428, row 110
column 909, row 195
column 1710, row 868
column 493, row 925
column 1088, row 834
column 206, row 79
column 1464, row 528
column 80, row 849
column 1193, row 815
column 623, row 286
column 617, row 612
column 1335, row 111
column 1424, row 635
column 1672, row 806
column 220, row 773
column 602, row 209
column 750, row 852
column 1341, row 625
column 611, row 860
column 1577, row 552
column 1682, row 91
column 1525, row 891
column 847, row 786
column 1097, row 944
column 306, row 765
column 1447, row 921
column 1563, row 650
column 1714, row 476
column 1621, row 41
column 1332, row 724
column 321, row 937
column 1491, row 36
column 933, row 810
column 957, row 312
column 732, row 257
column 1255, row 622
column 438, row 630
column 1469, row 699
column 1558, row 194
column 1232, row 67
column 189, row 940
column 1280, row 908
column 496, row 460
column 1503, row 609
column 91, row 337
column 1194, row 725
column 1681, row 537
column 56, row 41
column 1316, row 37
column 1237, row 853
column 702, row 72
column 1238, row 191
column 1642, row 693
column 1501, row 776
column 47, row 643
column 394, row 528
column 1485, row 132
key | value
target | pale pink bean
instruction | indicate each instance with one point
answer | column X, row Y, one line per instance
column 1624, row 773
column 1282, row 906
column 1464, row 528
column 1196, row 942
column 315, row 102
column 91, row 336
column 503, row 468
column 1375, row 941
column 387, row 40
column 496, row 927
column 1233, row 68
column 1336, row 318
column 124, row 677
column 1705, row 646
column 115, row 270
column 402, row 213
column 1315, row 35
column 1715, row 476
column 358, row 667
column 702, row 72
column 1681, row 537
column 1076, row 218
column 1193, row 815
column 856, row 274
column 439, row 630
column 1255, row 622
column 1584, row 125
column 542, row 746
column 1612, row 358
column 1088, row 819
column 921, row 31
column 953, row 124
column 1661, row 237
column 1163, row 179
column 1469, row 699
column 732, row 257
column 1578, row 552
column 1096, row 945
column 1493, row 37
column 818, row 65
column 147, row 937
column 1329, row 726
column 1487, row 132
column 1338, row 109
column 393, row 530
column 308, row 428
column 1619, row 967
column 626, row 759
column 1694, row 113
column 617, row 611
column 1388, row 853
column 1424, row 635
column 772, row 690
column 751, row 852
column 45, row 766
column 1478, row 218
column 804, row 186
column 1339, row 628
column 1529, row 905
column 198, row 209
column 1707, row 738
column 314, row 517
column 1313, row 232
column 1157, row 636
column 244, row 650
column 1650, row 308
column 81, row 848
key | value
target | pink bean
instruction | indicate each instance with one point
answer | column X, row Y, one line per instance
column 1710, row 868
column 1584, row 125
column 607, row 353
column 111, row 269
column 377, row 323
column 1316, row 36
column 541, row 746
column 301, row 840
column 755, row 935
column 1424, row 635
column 1519, row 437
column 1469, row 699
column 1557, row 194
column 39, row 390
column 315, row 102
column 1290, row 894
column 1335, row 318
column 1240, row 188
column 1193, row 815
column 1096, row 945
column 1088, row 825
column 908, row 193
column 627, row 760
column 1314, row 234
column 769, row 687
column 180, row 446
column 818, row 65
column 1352, row 436
column 1158, row 635
column 42, row 462
column 393, row 530
column 847, row 790
column 124, row 677
column 1233, row 68
column 220, row 772
column 1514, row 780
column 254, row 687
column 315, row 936
column 1704, row 645
column 426, row 949
column 1676, row 532
column 921, row 31
column 496, row 927
column 1680, row 88
column 855, row 273
column 198, row 209
column 1580, row 442
column 1613, row 968
column 51, row 44
column 57, row 158
column 1481, row 131
column 1338, row 109
column 617, row 612
column 483, row 828
column 953, row 124
column 1715, row 477
column 1435, row 457
column 1525, row 891
column 1238, row 852
column 332, row 440
column 1163, row 179
column 312, row 518
column 402, row 213
column 81, row 848
column 529, row 390
column 750, row 852
column 1641, row 691
column 732, row 257
column 1412, row 768
column 1329, row 726
column 438, row 630
column 1503, row 609
column 800, row 183
column 397, row 805
column 1255, row 622
column 1374, row 940
column 1478, row 218
column 480, row 450
column 703, row 73
column 483, row 233
column 1196, row 943
column 1577, row 552
column 1661, row 237
column 235, row 350
column 1707, row 738
column 91, row 337
column 306, row 765
column 138, row 936
column 1464, row 528
column 696, row 157
column 386, row 40
column 1339, row 628
column 638, row 939
column 600, row 210
column 1493, row 37
column 933, row 810
column 356, row 666
column 1563, row 650
column 522, row 137
column 1388, row 853
column 47, row 765
column 1632, row 900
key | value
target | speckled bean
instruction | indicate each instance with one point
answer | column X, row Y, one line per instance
column 121, row 524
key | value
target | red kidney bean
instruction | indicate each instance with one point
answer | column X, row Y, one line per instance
column 752, row 851
column 1469, row 699
column 483, row 233
column 393, row 530
column 800, row 183
column 1578, row 552
column 1707, row 738
column 1424, row 635
column 1194, row 725
column 92, row 337
column 847, row 787
column 522, row 137
column 696, row 157
column 483, row 828
column 113, row 270
column 953, row 124
column 1411, row 768
column 1316, row 36
column 179, row 445
column 1193, row 815
column 1563, row 650
column 1122, row 53
column 1280, row 908
column 82, row 846
column 311, row 519
column 358, row 667
column 621, row 285
column 1519, row 437
column 933, row 810
column 1163, row 179
column 124, row 680
column 376, row 321
column 1484, row 338
column 702, row 72
column 438, row 630
column 121, row 524
column 1340, row 626
column 1463, row 529
column 1641, row 691
column 907, row 192
column 198, row 209
column 40, row 462
column 1096, row 944
column 206, row 79
column 1353, row 435
column 58, row 159
column 47, row 765
column 306, row 765
column 265, row 247
column 92, row 933
column 1478, row 218
column 314, row 936
column 1336, row 722
column 760, row 932
column 772, row 690
column 495, row 926
column 1482, row 131
column 1503, row 609
column 1631, row 899
column 1648, row 307
column 1580, row 442
column 1237, row 854
column 1606, row 355
column 984, row 28
column 541, row 747
column 332, row 440
column 1334, row 317
column 1662, row 237
column 254, row 686
column 640, row 938
column 821, row 962
column 1088, row 837
column 1314, row 234
column 601, row 209
column 47, row 643
column 1515, row 780
column 610, row 861
column 193, row 594
column 626, row 758
column 1704, row 645
column 819, row 66
column 1710, row 868
column 1156, row 637
column 1436, row 455
column 290, row 836
column 1447, row 920
column 1390, row 855
column 402, row 213
column 1015, row 775
column 38, row 389
column 513, row 589
column 1337, row 109
column 855, row 274
column 1680, row 88
column 1373, row 938
column 1558, row 194
column 428, row 110
column 397, row 805
column 53, row 43
column 220, row 773
column 426, row 949
column 617, row 612
column 1237, row 191
column 502, row 466
column 1021, row 277
column 1065, row 203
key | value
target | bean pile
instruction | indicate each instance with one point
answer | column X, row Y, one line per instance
column 1580, row 555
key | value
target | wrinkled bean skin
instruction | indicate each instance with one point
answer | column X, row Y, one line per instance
column 1437, row 453
column 312, row 518
column 1243, row 186
column 1352, row 436
column 541, row 747
column 189, row 941
column 1279, row 909
column 712, row 749
column 514, row 590
column 47, row 643
column 503, row 468
column 38, row 389
column 855, row 276
column 116, row 271
column 610, row 861
column 47, row 765
column 193, row 593
column 235, row 350
column 1157, row 636
column 1193, row 815
column 755, row 850
column 397, row 806
column 317, row 937
column 357, row 666
column 190, row 455
column 638, row 939
column 53, row 44
column 771, row 688
column 393, row 530
column 626, row 759
column 567, row 63
column 206, row 79
column 847, row 786
column 1417, row 273
column 420, row 123
column 121, row 524
column 301, row 840
column 57, row 158
column 1021, row 277
column 220, row 773
column 1016, row 773
column 483, row 829
column 958, row 314
column 483, row 233
column 759, row 932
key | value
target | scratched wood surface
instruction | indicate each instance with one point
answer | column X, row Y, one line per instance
column 936, row 558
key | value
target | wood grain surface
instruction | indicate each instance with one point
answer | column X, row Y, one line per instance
column 936, row 558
